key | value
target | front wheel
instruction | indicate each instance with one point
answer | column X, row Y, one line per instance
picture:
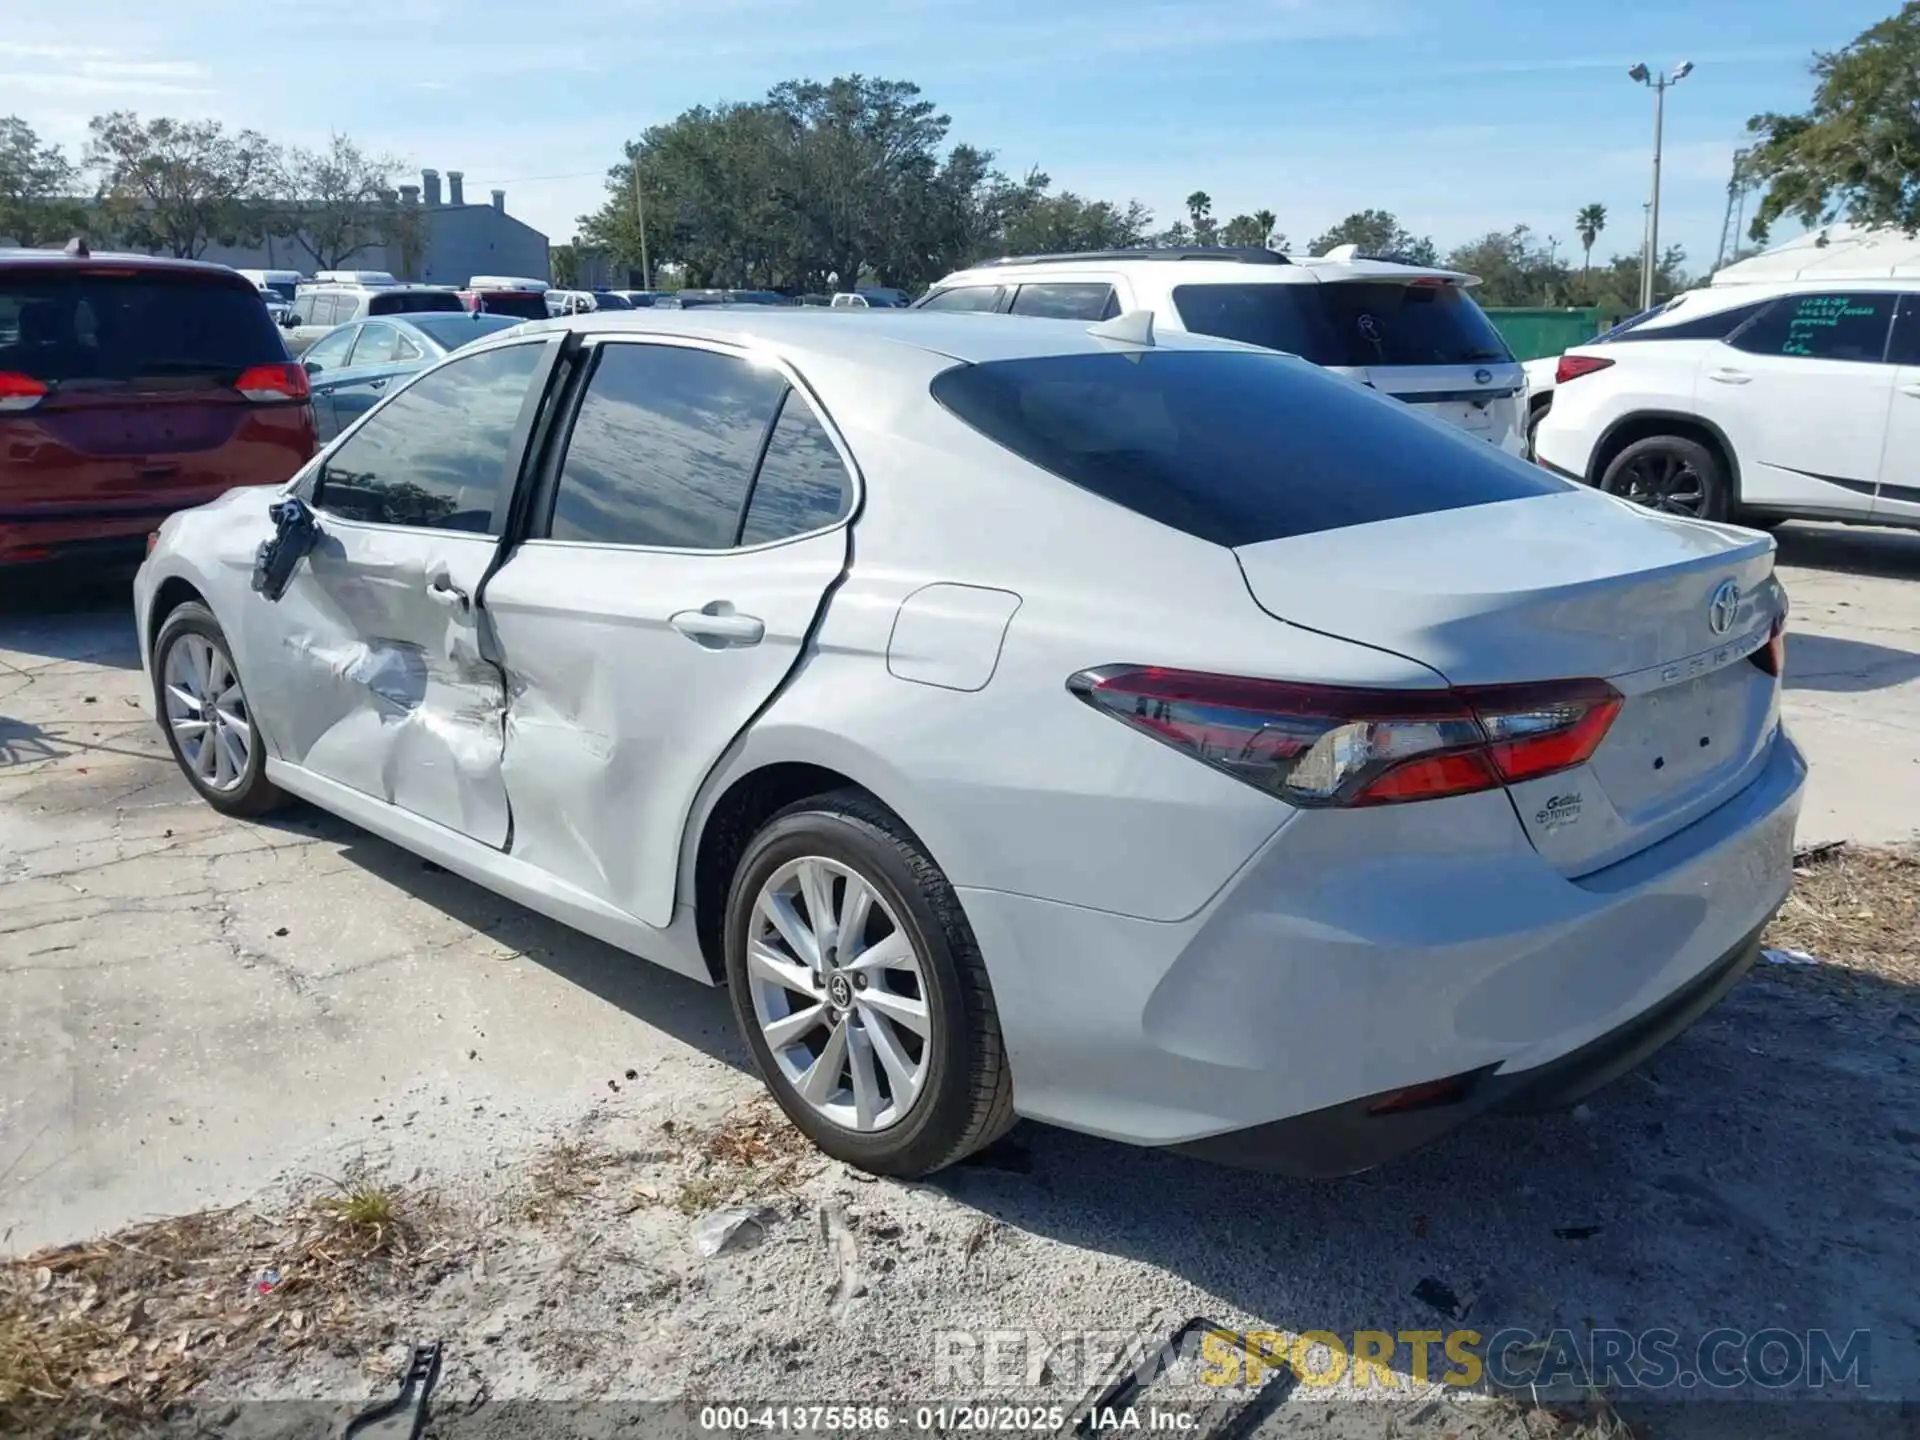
column 1672, row 474
column 859, row 988
column 209, row 725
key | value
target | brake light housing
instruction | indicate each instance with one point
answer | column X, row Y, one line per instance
column 279, row 383
column 1572, row 367
column 1323, row 746
column 19, row 392
column 1771, row 658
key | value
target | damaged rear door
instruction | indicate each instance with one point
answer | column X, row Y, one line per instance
column 386, row 680
column 689, row 522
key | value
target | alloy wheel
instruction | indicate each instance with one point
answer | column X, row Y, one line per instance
column 207, row 712
column 839, row 993
column 1662, row 480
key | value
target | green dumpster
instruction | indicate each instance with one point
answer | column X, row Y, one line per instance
column 1534, row 331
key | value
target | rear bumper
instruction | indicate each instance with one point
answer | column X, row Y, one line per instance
column 1360, row 1134
column 1362, row 953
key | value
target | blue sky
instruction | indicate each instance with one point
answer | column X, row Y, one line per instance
column 1460, row 116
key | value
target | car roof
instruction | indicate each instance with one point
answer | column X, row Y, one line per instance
column 118, row 260
column 1189, row 266
column 802, row 330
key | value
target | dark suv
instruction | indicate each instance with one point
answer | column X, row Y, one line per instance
column 131, row 387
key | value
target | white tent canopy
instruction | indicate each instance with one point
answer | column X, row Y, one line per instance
column 1837, row 252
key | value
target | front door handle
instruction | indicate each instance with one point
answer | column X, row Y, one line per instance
column 443, row 591
column 379, row 384
column 718, row 625
column 1729, row 377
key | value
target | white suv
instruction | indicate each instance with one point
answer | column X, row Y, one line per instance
column 1409, row 331
column 1759, row 402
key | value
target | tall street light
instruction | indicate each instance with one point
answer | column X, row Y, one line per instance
column 1659, row 84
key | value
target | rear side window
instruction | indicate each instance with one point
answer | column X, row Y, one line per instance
column 1235, row 448
column 62, row 325
column 1717, row 326
column 436, row 455
column 963, row 297
column 1831, row 325
column 663, row 448
column 802, row 484
column 1066, row 301
column 418, row 302
column 1349, row 322
column 375, row 346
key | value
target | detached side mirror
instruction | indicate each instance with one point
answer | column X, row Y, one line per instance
column 289, row 321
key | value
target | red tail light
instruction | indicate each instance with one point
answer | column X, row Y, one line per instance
column 1320, row 745
column 1572, row 367
column 268, row 383
column 1772, row 656
column 19, row 392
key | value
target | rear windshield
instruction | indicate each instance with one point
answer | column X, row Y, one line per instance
column 525, row 304
column 414, row 302
column 452, row 331
column 1232, row 448
column 73, row 325
column 605, row 300
column 1358, row 322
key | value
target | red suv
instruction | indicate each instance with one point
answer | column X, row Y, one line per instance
column 131, row 387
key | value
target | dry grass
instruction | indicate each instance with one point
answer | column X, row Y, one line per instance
column 1856, row 907
column 754, row 1151
column 130, row 1324
column 566, row 1172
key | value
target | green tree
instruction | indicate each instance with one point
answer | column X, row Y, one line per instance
column 1855, row 152
column 179, row 185
column 563, row 261
column 1378, row 232
column 1266, row 220
column 335, row 203
column 1253, row 230
column 1206, row 230
column 36, row 187
column 1588, row 224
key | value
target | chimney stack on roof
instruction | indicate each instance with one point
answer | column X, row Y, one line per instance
column 456, row 187
column 431, row 180
column 500, row 201
column 409, row 194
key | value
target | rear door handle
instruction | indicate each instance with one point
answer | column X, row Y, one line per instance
column 379, row 384
column 1729, row 377
column 717, row 625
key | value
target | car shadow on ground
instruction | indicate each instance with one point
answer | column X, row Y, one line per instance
column 1854, row 550
column 55, row 617
column 1837, row 665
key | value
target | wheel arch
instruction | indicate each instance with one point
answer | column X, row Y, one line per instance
column 168, row 596
column 1645, row 424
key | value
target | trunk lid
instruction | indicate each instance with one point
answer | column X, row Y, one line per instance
column 1565, row 586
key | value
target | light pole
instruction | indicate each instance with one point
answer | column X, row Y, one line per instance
column 640, row 219
column 1659, row 84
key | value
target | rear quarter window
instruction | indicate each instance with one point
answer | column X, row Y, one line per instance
column 1235, row 448
column 62, row 325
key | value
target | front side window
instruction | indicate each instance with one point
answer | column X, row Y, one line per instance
column 802, row 484
column 663, row 448
column 979, row 298
column 1828, row 325
column 437, row 454
column 330, row 352
column 1066, row 300
column 320, row 309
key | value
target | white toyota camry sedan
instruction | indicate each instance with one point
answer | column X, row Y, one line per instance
column 1154, row 736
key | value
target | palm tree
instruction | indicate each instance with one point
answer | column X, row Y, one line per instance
column 1200, row 210
column 1266, row 220
column 1591, row 220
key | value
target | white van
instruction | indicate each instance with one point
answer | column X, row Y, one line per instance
column 275, row 284
column 369, row 278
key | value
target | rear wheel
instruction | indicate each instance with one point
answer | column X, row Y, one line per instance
column 204, row 711
column 859, row 988
column 1672, row 474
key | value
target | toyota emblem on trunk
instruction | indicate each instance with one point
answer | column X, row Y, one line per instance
column 1722, row 608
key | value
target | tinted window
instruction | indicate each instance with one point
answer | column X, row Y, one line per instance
column 802, row 485
column 452, row 331
column 663, row 447
column 1904, row 347
column 1232, row 448
column 963, row 297
column 1348, row 322
column 1830, row 325
column 606, row 300
column 436, row 454
column 1065, row 301
column 376, row 345
column 416, row 302
column 73, row 326
column 1716, row 326
column 329, row 352
column 525, row 304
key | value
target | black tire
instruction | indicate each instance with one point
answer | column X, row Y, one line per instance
column 1535, row 415
column 254, row 794
column 1663, row 471
column 966, row 1099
